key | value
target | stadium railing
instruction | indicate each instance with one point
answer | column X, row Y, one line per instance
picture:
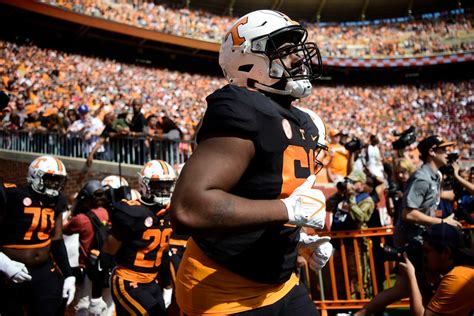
column 340, row 285
column 130, row 150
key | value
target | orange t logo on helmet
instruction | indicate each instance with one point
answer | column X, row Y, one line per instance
column 236, row 38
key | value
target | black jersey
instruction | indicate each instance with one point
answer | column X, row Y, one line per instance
column 144, row 234
column 285, row 140
column 30, row 217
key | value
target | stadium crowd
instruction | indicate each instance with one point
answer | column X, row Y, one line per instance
column 56, row 84
column 126, row 239
column 441, row 35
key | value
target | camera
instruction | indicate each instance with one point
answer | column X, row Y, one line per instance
column 116, row 195
column 392, row 189
column 407, row 137
column 354, row 144
column 342, row 186
column 4, row 99
column 452, row 157
column 448, row 169
column 390, row 253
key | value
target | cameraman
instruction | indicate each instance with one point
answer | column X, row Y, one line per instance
column 356, row 207
column 423, row 192
column 420, row 201
column 353, row 213
column 445, row 253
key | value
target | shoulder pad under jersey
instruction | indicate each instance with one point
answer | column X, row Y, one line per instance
column 231, row 111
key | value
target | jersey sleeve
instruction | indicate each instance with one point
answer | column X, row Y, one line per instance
column 120, row 226
column 127, row 219
column 61, row 204
column 230, row 113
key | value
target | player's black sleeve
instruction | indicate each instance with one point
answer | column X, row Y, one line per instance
column 3, row 202
column 61, row 204
column 127, row 219
column 59, row 252
column 229, row 113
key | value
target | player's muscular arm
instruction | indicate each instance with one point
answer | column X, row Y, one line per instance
column 201, row 202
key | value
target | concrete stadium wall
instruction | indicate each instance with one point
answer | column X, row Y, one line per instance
column 14, row 169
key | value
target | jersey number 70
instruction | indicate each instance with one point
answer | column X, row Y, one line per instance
column 41, row 218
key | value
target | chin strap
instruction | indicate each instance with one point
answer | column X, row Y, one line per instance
column 260, row 86
column 147, row 203
column 297, row 89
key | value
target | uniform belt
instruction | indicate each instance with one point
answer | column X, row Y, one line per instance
column 30, row 246
column 134, row 276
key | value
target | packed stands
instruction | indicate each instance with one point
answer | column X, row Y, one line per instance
column 48, row 81
column 443, row 34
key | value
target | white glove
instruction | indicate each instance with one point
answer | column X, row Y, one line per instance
column 167, row 294
column 306, row 206
column 16, row 271
column 69, row 289
column 82, row 305
column 97, row 306
column 316, row 250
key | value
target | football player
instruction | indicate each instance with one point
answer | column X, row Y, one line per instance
column 138, row 238
column 248, row 188
column 116, row 188
column 31, row 234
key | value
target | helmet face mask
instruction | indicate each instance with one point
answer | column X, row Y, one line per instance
column 47, row 175
column 321, row 141
column 54, row 182
column 160, row 191
column 318, row 164
column 156, row 181
column 284, row 43
column 256, row 51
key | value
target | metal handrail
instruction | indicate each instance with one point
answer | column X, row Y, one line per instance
column 329, row 292
column 125, row 149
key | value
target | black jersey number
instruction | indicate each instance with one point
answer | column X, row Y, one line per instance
column 41, row 217
column 158, row 238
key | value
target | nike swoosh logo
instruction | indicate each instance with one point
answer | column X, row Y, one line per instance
column 314, row 137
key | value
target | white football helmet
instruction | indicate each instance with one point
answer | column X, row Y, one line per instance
column 155, row 182
column 47, row 175
column 116, row 188
column 114, row 182
column 321, row 141
column 268, row 51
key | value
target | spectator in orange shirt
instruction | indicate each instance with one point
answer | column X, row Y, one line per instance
column 338, row 158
